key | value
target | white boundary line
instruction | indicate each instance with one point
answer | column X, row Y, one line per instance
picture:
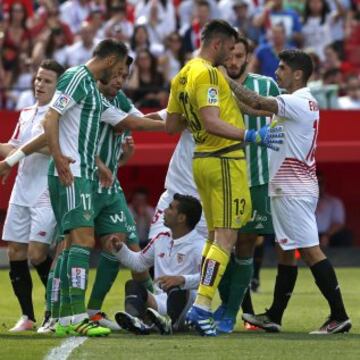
column 63, row 351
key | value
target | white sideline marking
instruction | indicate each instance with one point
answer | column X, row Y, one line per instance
column 63, row 351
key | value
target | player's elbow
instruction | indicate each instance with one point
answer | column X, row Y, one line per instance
column 170, row 128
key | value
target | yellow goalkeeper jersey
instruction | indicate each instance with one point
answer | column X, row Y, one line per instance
column 197, row 85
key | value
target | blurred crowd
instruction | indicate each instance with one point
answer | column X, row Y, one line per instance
column 164, row 34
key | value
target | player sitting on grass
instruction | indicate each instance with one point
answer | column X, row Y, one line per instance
column 176, row 257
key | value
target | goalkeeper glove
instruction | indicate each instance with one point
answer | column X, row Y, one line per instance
column 267, row 136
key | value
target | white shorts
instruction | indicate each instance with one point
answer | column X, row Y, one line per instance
column 161, row 302
column 24, row 224
column 157, row 223
column 294, row 222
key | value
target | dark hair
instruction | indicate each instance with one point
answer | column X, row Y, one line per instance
column 203, row 3
column 129, row 60
column 217, row 28
column 23, row 21
column 325, row 10
column 243, row 40
column 52, row 65
column 50, row 44
column 298, row 60
column 181, row 56
column 110, row 47
column 133, row 40
column 190, row 207
column 153, row 61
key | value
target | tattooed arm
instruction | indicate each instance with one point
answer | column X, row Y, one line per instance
column 246, row 109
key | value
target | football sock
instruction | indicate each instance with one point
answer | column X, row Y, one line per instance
column 78, row 269
column 284, row 286
column 55, row 289
column 205, row 251
column 148, row 284
column 49, row 289
column 247, row 305
column 106, row 274
column 22, row 284
column 135, row 298
column 212, row 272
column 43, row 270
column 65, row 303
column 176, row 303
column 240, row 280
column 225, row 282
column 326, row 281
column 258, row 259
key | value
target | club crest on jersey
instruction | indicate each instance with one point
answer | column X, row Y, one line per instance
column 213, row 96
column 61, row 102
column 180, row 258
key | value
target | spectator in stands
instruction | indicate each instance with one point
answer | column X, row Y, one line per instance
column 53, row 47
column 140, row 41
column 243, row 20
column 193, row 33
column 265, row 60
column 352, row 100
column 47, row 17
column 16, row 41
column 339, row 9
column 81, row 50
column 96, row 20
column 157, row 27
column 74, row 12
column 118, row 26
column 274, row 13
column 187, row 9
column 142, row 213
column 165, row 12
column 174, row 58
column 353, row 35
column 146, row 84
column 330, row 217
column 335, row 60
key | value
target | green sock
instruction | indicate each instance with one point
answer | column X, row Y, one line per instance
column 241, row 277
column 78, row 270
column 49, row 289
column 148, row 283
column 225, row 282
column 55, row 289
column 65, row 303
column 106, row 274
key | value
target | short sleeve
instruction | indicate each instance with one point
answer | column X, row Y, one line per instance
column 70, row 90
column 173, row 103
column 112, row 115
column 289, row 106
column 207, row 88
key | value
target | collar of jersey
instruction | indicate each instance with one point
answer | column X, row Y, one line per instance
column 89, row 73
column 186, row 238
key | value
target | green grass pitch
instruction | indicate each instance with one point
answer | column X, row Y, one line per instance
column 306, row 311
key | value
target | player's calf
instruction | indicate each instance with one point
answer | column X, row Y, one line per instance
column 136, row 297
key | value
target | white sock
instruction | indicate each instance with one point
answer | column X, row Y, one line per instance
column 79, row 318
column 65, row 321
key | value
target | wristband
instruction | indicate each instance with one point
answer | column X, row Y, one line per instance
column 14, row 158
column 163, row 114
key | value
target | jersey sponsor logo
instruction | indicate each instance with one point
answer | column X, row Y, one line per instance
column 211, row 269
column 213, row 96
column 78, row 278
column 117, row 217
column 62, row 102
column 180, row 258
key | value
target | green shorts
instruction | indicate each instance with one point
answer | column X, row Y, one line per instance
column 112, row 215
column 72, row 205
column 261, row 221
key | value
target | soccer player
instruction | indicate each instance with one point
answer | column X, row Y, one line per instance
column 200, row 93
column 293, row 190
column 30, row 223
column 234, row 286
column 176, row 257
column 112, row 215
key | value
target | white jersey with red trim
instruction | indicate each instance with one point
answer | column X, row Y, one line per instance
column 292, row 168
column 179, row 257
column 179, row 177
column 31, row 184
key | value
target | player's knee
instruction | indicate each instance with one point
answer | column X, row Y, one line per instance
column 16, row 251
column 312, row 255
column 36, row 257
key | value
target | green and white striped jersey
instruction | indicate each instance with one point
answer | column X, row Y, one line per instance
column 257, row 156
column 110, row 143
column 80, row 104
